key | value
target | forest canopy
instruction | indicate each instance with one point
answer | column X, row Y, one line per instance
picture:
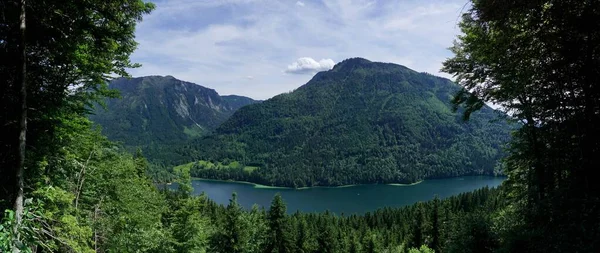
column 66, row 188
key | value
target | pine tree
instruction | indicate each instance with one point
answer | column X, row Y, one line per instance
column 538, row 61
column 417, row 227
column 141, row 163
column 355, row 246
column 280, row 239
column 189, row 227
column 327, row 243
column 435, row 225
column 303, row 237
column 371, row 243
column 233, row 236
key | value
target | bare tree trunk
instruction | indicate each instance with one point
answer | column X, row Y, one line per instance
column 18, row 204
column 96, row 235
column 82, row 179
column 95, row 230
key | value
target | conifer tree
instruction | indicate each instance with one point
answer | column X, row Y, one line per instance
column 279, row 235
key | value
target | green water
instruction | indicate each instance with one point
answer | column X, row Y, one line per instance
column 347, row 200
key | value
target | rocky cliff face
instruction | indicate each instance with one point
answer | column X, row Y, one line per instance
column 156, row 109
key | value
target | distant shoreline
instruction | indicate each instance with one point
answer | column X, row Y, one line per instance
column 261, row 186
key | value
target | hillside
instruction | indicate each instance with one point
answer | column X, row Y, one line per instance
column 156, row 111
column 361, row 122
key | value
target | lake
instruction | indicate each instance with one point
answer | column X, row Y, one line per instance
column 354, row 199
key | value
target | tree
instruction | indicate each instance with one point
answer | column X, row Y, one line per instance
column 472, row 232
column 538, row 61
column 188, row 227
column 418, row 237
column 326, row 241
column 435, row 225
column 233, row 236
column 355, row 246
column 141, row 163
column 279, row 237
column 70, row 52
column 304, row 237
column 22, row 112
column 422, row 249
column 371, row 243
column 257, row 230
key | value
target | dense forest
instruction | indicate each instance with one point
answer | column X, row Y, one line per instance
column 66, row 188
column 157, row 113
column 361, row 122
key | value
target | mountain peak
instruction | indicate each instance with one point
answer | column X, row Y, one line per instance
column 163, row 110
column 351, row 63
column 355, row 63
column 361, row 122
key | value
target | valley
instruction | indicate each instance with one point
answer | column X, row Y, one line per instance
column 104, row 150
column 362, row 136
column 362, row 122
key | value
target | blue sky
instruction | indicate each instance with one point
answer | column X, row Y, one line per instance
column 261, row 48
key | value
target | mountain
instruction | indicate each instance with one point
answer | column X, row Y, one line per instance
column 154, row 111
column 360, row 122
column 237, row 102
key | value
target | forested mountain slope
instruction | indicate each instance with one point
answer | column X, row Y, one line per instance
column 361, row 122
column 155, row 111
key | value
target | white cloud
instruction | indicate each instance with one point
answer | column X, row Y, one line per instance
column 242, row 38
column 301, row 4
column 307, row 65
column 249, row 77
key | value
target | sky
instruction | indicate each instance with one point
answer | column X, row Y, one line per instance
column 261, row 48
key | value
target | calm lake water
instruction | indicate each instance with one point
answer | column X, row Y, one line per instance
column 347, row 200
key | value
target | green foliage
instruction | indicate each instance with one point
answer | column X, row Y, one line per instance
column 257, row 218
column 184, row 180
column 72, row 50
column 539, row 61
column 234, row 234
column 159, row 113
column 69, row 231
column 385, row 230
column 423, row 249
column 136, row 203
column 279, row 240
column 536, row 59
column 305, row 240
column 189, row 227
column 361, row 122
column 26, row 236
column 326, row 240
column 371, row 243
column 473, row 233
column 417, row 228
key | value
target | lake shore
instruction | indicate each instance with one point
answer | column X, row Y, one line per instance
column 261, row 186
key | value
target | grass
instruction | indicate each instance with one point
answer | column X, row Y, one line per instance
column 194, row 131
column 250, row 169
column 186, row 166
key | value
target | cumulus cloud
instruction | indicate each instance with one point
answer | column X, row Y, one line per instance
column 235, row 39
column 307, row 65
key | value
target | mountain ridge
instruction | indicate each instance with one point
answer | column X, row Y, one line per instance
column 360, row 122
column 163, row 110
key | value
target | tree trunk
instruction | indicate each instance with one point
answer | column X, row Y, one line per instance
column 18, row 204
